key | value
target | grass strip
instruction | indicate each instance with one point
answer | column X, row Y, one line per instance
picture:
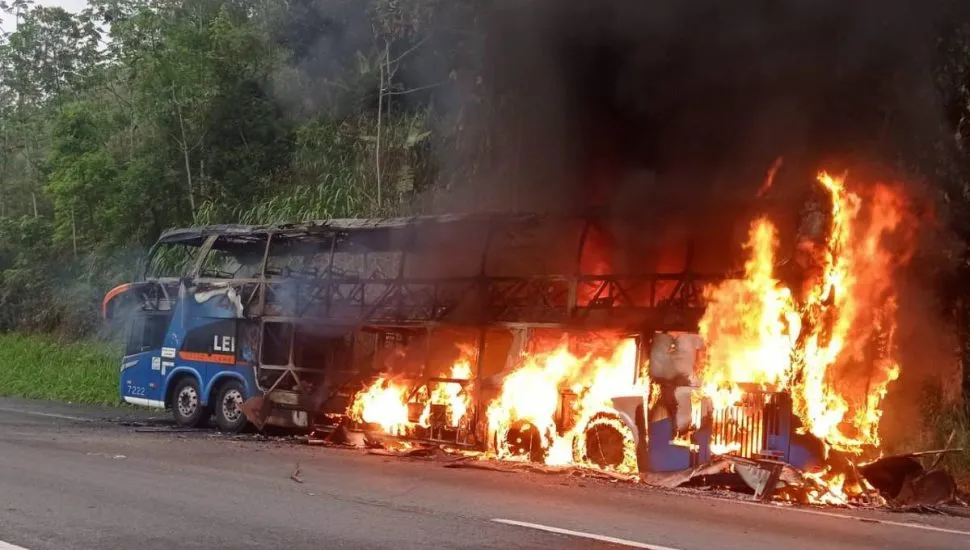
column 43, row 367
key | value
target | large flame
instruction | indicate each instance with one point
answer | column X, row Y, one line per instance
column 551, row 398
column 851, row 316
column 386, row 402
column 750, row 324
column 825, row 338
column 832, row 350
column 450, row 395
column 532, row 398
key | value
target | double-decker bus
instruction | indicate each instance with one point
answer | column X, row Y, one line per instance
column 284, row 324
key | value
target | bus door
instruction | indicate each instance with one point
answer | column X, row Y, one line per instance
column 141, row 375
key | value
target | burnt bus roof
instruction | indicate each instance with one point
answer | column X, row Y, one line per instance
column 197, row 235
column 659, row 240
column 739, row 211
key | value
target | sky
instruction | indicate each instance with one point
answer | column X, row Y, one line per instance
column 70, row 5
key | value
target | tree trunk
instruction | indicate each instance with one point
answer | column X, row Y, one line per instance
column 188, row 177
column 377, row 147
column 74, row 232
column 184, row 145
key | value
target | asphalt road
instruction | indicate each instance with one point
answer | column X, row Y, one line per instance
column 73, row 477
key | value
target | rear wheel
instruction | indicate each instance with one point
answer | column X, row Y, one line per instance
column 187, row 404
column 228, row 404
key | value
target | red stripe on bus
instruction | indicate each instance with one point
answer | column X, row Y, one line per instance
column 208, row 357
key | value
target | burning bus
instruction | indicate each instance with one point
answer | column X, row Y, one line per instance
column 621, row 343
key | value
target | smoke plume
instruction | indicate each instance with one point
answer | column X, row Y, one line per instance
column 614, row 101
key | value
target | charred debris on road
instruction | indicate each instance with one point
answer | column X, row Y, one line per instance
column 911, row 482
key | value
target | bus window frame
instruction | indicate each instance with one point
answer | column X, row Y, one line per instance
column 139, row 322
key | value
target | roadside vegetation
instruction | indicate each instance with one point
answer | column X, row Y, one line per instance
column 44, row 367
column 945, row 426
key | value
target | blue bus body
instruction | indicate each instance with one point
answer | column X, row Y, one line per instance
column 197, row 340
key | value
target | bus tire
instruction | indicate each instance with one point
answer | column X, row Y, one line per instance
column 187, row 404
column 229, row 398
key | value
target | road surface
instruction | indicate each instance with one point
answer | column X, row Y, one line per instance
column 74, row 477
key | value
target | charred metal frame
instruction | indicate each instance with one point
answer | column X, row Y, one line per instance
column 633, row 300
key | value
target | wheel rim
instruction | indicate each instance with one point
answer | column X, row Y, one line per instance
column 188, row 401
column 230, row 405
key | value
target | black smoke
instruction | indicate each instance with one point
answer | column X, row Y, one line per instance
column 704, row 95
column 661, row 108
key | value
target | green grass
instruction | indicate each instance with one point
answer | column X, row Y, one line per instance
column 42, row 367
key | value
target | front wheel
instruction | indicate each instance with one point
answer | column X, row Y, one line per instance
column 187, row 404
column 229, row 414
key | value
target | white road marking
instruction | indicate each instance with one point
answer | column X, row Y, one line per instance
column 48, row 415
column 864, row 519
column 601, row 538
column 634, row 544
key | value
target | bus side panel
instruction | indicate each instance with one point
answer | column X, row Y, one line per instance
column 138, row 382
column 205, row 346
column 244, row 370
column 173, row 367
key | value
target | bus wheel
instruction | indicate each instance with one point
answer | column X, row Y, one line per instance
column 187, row 404
column 229, row 414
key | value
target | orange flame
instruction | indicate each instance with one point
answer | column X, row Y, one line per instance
column 757, row 332
column 850, row 310
column 533, row 394
column 750, row 324
column 385, row 403
column 770, row 178
column 531, row 399
column 450, row 395
column 829, row 345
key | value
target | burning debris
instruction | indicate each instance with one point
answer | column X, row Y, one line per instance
column 781, row 387
column 552, row 406
column 403, row 408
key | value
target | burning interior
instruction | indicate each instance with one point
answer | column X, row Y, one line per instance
column 528, row 338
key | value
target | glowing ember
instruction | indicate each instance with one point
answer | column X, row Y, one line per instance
column 770, row 178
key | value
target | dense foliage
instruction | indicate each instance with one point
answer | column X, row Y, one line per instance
column 138, row 115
